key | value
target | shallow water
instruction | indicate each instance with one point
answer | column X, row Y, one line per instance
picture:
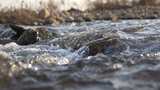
column 127, row 57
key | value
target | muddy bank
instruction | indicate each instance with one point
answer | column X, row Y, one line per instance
column 52, row 16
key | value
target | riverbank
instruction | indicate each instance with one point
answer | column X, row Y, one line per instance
column 53, row 16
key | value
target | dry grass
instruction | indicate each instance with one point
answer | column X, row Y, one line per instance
column 123, row 4
column 29, row 17
column 26, row 16
column 51, row 15
column 18, row 16
column 147, row 2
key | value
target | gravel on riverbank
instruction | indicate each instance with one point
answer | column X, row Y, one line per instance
column 48, row 16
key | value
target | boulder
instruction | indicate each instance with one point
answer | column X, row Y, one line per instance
column 77, row 40
column 18, row 29
column 30, row 36
column 105, row 45
column 44, row 34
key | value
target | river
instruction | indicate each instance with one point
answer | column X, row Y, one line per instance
column 96, row 55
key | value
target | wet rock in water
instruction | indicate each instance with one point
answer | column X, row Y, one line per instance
column 19, row 31
column 23, row 36
column 105, row 45
column 30, row 36
column 44, row 34
column 97, row 42
column 78, row 40
column 133, row 30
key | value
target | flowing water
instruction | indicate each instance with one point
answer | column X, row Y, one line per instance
column 97, row 55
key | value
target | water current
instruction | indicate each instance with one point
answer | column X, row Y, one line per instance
column 97, row 55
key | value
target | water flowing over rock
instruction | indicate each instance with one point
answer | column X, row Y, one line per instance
column 99, row 55
column 103, row 45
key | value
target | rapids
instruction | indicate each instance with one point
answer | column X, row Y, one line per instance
column 126, row 56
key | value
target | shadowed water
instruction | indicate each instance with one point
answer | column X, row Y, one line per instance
column 99, row 55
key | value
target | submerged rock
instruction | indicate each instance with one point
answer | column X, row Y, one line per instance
column 19, row 31
column 105, row 45
column 77, row 40
column 96, row 42
column 133, row 30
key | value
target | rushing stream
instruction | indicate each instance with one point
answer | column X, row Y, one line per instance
column 98, row 55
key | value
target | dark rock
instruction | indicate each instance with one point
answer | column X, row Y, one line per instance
column 30, row 36
column 133, row 30
column 44, row 34
column 19, row 31
column 91, row 39
column 76, row 41
column 104, row 44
